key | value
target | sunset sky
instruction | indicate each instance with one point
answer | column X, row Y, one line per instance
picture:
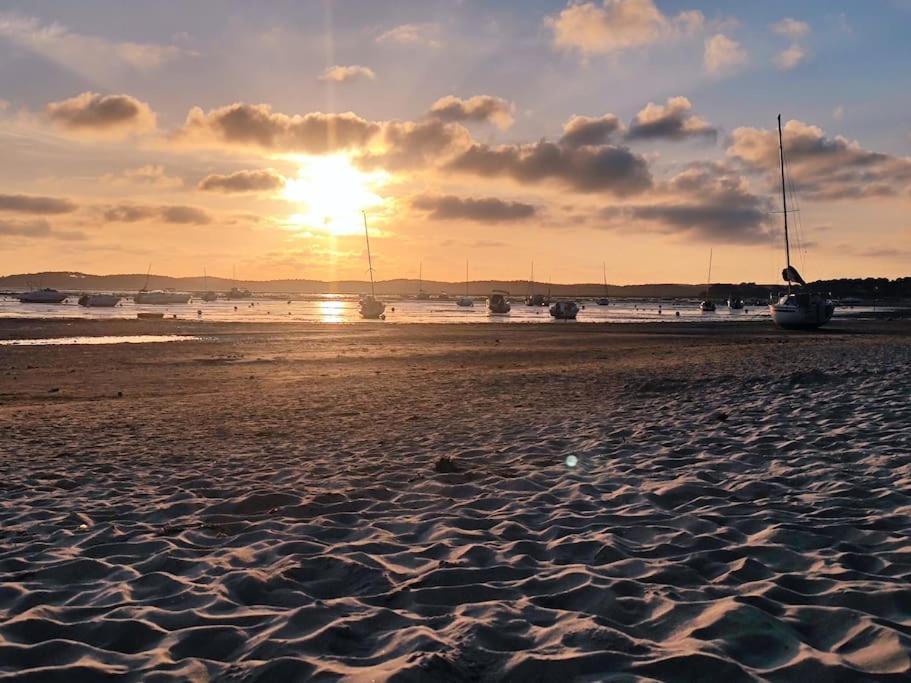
column 216, row 135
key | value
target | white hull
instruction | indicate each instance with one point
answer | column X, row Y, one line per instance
column 372, row 309
column 99, row 300
column 43, row 296
column 811, row 314
column 161, row 298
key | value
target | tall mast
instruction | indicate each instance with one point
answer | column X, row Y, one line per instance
column 148, row 272
column 604, row 268
column 369, row 258
column 708, row 284
column 420, row 277
column 466, row 277
column 784, row 204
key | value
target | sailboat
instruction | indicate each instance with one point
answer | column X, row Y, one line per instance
column 532, row 299
column 465, row 301
column 801, row 309
column 99, row 300
column 498, row 302
column 604, row 301
column 235, row 292
column 208, row 295
column 708, row 306
column 158, row 297
column 421, row 295
column 369, row 306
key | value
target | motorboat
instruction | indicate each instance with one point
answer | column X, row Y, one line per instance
column 161, row 297
column 43, row 296
column 803, row 308
column 209, row 296
column 236, row 294
column 537, row 300
column 498, row 302
column 99, row 300
column 707, row 306
column 565, row 310
column 369, row 306
column 735, row 303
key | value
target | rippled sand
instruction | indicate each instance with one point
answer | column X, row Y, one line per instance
column 275, row 504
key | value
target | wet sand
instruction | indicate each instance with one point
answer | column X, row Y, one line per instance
column 452, row 502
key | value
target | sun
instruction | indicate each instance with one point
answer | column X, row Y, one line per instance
column 332, row 193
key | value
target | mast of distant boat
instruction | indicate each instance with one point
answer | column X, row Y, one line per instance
column 420, row 277
column 531, row 282
column 369, row 257
column 784, row 203
column 708, row 284
column 466, row 278
column 148, row 272
column 604, row 268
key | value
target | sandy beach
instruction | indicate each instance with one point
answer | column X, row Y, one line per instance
column 456, row 502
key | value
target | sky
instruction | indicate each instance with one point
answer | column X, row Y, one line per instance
column 634, row 136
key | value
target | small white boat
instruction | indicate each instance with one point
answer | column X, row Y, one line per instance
column 99, row 300
column 565, row 310
column 498, row 302
column 160, row 297
column 802, row 309
column 43, row 296
column 370, row 307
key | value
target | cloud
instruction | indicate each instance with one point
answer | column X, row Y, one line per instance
column 90, row 56
column 670, row 121
column 342, row 74
column 603, row 168
column 791, row 28
column 425, row 35
column 790, row 58
column 484, row 210
column 150, row 175
column 22, row 203
column 256, row 125
column 821, row 167
column 110, row 115
column 243, row 181
column 580, row 131
column 37, row 228
column 617, row 25
column 410, row 144
column 705, row 202
column 484, row 108
column 132, row 213
column 723, row 55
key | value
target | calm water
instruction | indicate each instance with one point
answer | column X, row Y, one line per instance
column 343, row 309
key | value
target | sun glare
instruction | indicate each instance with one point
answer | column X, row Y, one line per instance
column 332, row 192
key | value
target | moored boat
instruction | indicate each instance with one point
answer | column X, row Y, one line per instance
column 43, row 296
column 99, row 300
column 565, row 310
column 498, row 302
column 161, row 297
column 369, row 306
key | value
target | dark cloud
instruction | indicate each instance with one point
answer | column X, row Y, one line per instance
column 705, row 202
column 670, row 121
column 132, row 213
column 484, row 210
column 481, row 108
column 821, row 167
column 256, row 125
column 22, row 203
column 243, row 181
column 102, row 114
column 585, row 130
column 38, row 228
column 410, row 144
column 605, row 168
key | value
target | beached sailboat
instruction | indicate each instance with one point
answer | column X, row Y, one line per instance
column 498, row 302
column 43, row 296
column 532, row 299
column 465, row 301
column 369, row 306
column 708, row 306
column 565, row 310
column 801, row 309
column 208, row 295
column 421, row 295
column 604, row 301
column 99, row 300
column 159, row 297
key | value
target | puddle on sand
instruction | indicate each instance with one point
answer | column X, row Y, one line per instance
column 134, row 339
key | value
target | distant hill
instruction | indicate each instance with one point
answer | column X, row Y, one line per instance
column 81, row 282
